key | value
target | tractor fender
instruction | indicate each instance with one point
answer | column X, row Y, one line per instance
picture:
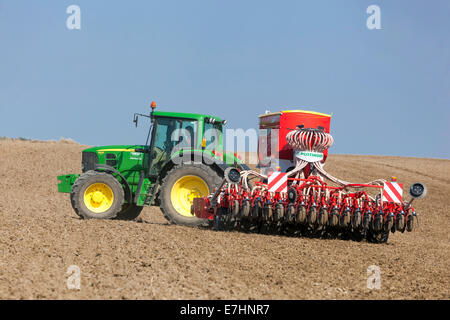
column 105, row 167
column 195, row 157
column 198, row 157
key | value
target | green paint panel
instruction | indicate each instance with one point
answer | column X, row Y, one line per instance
column 146, row 185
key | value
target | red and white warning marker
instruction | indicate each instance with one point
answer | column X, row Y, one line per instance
column 277, row 182
column 392, row 192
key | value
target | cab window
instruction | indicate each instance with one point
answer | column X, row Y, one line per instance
column 187, row 136
column 170, row 134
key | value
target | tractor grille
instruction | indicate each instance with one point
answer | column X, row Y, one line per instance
column 88, row 161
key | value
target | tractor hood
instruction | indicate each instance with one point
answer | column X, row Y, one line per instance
column 120, row 157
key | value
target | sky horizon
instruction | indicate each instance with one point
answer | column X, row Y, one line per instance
column 388, row 88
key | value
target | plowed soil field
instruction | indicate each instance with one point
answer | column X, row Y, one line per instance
column 41, row 236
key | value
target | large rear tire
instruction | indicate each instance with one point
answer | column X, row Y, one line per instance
column 97, row 195
column 179, row 188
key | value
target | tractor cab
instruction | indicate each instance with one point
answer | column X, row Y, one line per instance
column 173, row 132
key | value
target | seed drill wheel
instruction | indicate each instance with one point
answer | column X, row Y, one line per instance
column 245, row 210
column 179, row 188
column 256, row 211
column 334, row 218
column 236, row 209
column 290, row 213
column 279, row 213
column 312, row 216
column 267, row 212
column 410, row 223
column 356, row 220
column 345, row 218
column 323, row 217
column 301, row 214
column 97, row 195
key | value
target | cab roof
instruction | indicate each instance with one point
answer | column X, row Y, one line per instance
column 196, row 116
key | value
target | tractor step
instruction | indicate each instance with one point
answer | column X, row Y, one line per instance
column 144, row 192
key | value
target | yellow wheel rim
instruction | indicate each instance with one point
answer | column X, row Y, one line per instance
column 184, row 191
column 98, row 197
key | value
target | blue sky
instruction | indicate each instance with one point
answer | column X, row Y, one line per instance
column 388, row 89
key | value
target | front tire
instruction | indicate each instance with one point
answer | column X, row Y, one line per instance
column 97, row 195
column 180, row 186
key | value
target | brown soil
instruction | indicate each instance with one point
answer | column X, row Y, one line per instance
column 41, row 236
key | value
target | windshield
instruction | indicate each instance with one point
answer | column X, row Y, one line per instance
column 171, row 134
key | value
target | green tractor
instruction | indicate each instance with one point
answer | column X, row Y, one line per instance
column 182, row 159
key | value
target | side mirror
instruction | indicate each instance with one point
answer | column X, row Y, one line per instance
column 135, row 120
